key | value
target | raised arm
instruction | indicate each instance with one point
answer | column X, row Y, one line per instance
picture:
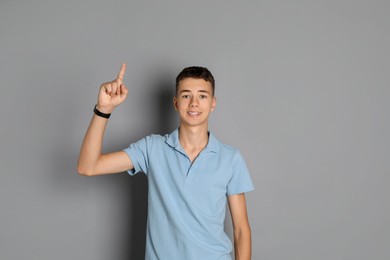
column 91, row 160
column 241, row 228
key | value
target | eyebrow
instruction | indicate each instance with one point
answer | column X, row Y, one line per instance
column 203, row 91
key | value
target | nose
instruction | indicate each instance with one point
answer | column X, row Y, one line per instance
column 194, row 102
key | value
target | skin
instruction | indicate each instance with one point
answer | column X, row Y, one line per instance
column 194, row 102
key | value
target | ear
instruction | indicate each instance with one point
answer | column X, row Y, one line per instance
column 175, row 102
column 214, row 104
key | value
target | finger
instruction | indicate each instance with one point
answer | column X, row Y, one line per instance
column 124, row 90
column 108, row 88
column 103, row 88
column 118, row 84
column 114, row 88
column 121, row 73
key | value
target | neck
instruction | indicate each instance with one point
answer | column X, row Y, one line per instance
column 193, row 138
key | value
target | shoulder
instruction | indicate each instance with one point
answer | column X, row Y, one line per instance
column 152, row 138
column 157, row 138
column 148, row 141
column 227, row 150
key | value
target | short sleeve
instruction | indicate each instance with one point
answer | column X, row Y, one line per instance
column 241, row 181
column 138, row 153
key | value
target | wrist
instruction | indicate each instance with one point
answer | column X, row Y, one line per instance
column 104, row 109
column 101, row 113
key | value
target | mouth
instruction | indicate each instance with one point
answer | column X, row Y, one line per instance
column 193, row 113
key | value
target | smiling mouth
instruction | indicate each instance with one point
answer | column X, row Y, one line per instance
column 193, row 113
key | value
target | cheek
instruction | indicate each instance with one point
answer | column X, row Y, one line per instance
column 179, row 106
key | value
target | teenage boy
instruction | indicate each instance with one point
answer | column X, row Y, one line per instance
column 191, row 175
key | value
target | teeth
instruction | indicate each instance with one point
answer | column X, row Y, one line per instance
column 193, row 113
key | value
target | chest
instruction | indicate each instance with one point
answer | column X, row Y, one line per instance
column 207, row 173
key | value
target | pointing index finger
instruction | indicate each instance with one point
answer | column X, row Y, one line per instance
column 121, row 73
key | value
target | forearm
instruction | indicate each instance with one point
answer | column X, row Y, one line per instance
column 242, row 244
column 91, row 148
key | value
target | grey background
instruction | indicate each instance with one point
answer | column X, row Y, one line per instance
column 303, row 92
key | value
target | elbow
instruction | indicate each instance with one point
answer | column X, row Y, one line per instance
column 86, row 168
column 84, row 171
column 242, row 232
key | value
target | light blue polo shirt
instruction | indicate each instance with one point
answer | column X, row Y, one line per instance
column 187, row 201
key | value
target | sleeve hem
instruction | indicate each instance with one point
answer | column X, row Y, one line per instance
column 133, row 159
column 234, row 192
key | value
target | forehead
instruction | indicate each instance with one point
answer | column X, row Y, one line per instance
column 192, row 84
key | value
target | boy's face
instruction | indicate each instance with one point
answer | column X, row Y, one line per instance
column 194, row 101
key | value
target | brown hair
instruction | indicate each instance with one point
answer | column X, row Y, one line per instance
column 196, row 73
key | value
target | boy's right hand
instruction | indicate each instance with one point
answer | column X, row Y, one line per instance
column 112, row 93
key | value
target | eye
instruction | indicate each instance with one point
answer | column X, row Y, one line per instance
column 185, row 96
column 202, row 96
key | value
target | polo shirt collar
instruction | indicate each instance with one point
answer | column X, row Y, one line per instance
column 173, row 141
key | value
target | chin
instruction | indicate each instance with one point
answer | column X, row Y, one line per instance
column 193, row 123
